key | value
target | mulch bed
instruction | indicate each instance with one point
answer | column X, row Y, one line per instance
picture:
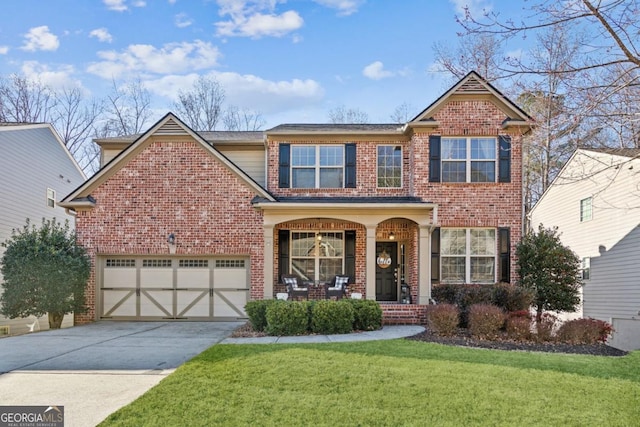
column 463, row 339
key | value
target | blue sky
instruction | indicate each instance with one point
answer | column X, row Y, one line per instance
column 292, row 61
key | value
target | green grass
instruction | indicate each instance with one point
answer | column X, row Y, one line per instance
column 390, row 383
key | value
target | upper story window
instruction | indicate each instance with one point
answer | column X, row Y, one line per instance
column 51, row 198
column 468, row 255
column 586, row 209
column 586, row 268
column 389, row 166
column 317, row 166
column 468, row 159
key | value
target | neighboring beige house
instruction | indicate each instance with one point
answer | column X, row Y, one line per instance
column 36, row 171
column 595, row 203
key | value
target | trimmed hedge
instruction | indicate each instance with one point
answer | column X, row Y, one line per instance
column 485, row 320
column 368, row 314
column 332, row 317
column 584, row 331
column 287, row 318
column 443, row 319
column 257, row 312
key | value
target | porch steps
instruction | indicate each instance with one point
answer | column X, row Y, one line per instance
column 404, row 314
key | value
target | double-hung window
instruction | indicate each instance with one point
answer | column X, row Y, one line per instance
column 51, row 198
column 468, row 255
column 317, row 166
column 468, row 159
column 317, row 256
column 389, row 166
column 586, row 209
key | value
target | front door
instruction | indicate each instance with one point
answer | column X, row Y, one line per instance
column 386, row 271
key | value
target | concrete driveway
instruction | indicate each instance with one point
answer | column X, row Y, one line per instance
column 93, row 370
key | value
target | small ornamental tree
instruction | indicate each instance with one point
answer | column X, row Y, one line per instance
column 44, row 271
column 550, row 270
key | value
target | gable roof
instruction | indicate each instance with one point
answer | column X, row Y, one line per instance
column 474, row 85
column 168, row 125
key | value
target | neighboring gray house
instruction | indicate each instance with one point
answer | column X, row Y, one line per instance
column 595, row 203
column 36, row 171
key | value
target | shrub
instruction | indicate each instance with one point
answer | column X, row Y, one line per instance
column 485, row 320
column 287, row 318
column 257, row 313
column 332, row 317
column 445, row 293
column 510, row 297
column 443, row 319
column 584, row 331
column 518, row 328
column 545, row 327
column 462, row 296
column 368, row 314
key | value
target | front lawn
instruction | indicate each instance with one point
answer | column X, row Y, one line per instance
column 389, row 383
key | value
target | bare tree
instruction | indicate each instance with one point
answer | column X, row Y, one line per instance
column 128, row 109
column 403, row 113
column 343, row 114
column 241, row 119
column 201, row 107
column 25, row 101
column 75, row 119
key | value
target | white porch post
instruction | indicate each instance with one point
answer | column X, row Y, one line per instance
column 424, row 264
column 370, row 263
column 268, row 262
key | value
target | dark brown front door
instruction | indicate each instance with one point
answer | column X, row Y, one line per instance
column 386, row 271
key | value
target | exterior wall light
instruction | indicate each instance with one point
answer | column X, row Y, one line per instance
column 392, row 236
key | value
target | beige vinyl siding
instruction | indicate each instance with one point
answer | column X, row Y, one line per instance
column 251, row 161
column 108, row 155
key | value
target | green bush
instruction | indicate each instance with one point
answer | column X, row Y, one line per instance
column 257, row 312
column 510, row 297
column 368, row 314
column 332, row 317
column 485, row 320
column 443, row 319
column 445, row 293
column 287, row 318
column 584, row 331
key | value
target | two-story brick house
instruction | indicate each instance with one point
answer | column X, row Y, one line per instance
column 190, row 225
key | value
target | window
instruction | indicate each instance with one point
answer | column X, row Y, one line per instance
column 193, row 263
column 317, row 256
column 156, row 263
column 468, row 159
column 468, row 255
column 120, row 263
column 586, row 209
column 317, row 166
column 389, row 166
column 51, row 198
column 586, row 268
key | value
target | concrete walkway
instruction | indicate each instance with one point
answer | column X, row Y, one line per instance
column 94, row 370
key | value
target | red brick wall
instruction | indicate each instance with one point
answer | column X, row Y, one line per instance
column 173, row 187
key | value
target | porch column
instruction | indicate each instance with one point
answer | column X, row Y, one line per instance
column 267, row 256
column 424, row 264
column 370, row 263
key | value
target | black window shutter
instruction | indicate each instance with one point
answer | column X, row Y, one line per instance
column 504, row 247
column 434, row 158
column 350, row 254
column 504, row 159
column 283, row 252
column 435, row 255
column 350, row 166
column 284, row 162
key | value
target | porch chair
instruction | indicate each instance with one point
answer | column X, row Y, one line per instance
column 337, row 287
column 294, row 288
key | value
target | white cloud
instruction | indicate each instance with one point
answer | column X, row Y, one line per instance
column 101, row 34
column 40, row 38
column 144, row 58
column 475, row 7
column 247, row 91
column 376, row 71
column 4, row 50
column 344, row 7
column 55, row 79
column 182, row 20
column 255, row 19
column 121, row 5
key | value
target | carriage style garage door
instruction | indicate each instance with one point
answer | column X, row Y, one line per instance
column 180, row 288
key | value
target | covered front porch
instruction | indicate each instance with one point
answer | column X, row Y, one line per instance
column 383, row 244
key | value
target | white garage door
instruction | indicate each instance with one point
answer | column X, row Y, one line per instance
column 146, row 288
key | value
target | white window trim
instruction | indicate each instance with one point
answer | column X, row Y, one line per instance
column 401, row 165
column 51, row 196
column 468, row 160
column 585, row 267
column 467, row 256
column 316, row 255
column 590, row 199
column 317, row 168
